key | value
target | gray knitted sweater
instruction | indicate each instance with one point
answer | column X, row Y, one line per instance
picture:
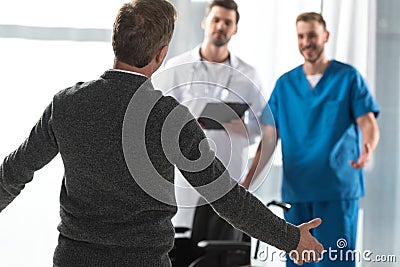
column 107, row 217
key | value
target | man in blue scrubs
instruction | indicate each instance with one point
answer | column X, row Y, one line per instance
column 325, row 117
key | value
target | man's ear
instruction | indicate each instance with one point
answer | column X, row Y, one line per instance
column 236, row 29
column 161, row 54
column 327, row 34
column 203, row 23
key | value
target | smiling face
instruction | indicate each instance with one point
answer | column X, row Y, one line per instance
column 219, row 25
column 311, row 37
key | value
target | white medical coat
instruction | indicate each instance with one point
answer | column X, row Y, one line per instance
column 200, row 82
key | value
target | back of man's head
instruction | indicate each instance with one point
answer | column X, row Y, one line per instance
column 141, row 29
column 228, row 4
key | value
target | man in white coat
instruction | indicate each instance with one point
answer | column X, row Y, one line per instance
column 211, row 73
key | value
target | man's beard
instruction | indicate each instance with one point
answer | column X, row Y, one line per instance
column 219, row 41
column 313, row 59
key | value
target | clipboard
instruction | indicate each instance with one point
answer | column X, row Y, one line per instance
column 215, row 113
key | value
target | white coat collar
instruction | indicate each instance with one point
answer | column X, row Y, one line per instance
column 234, row 62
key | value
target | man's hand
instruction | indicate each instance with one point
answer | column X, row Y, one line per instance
column 364, row 158
column 236, row 126
column 202, row 125
column 308, row 249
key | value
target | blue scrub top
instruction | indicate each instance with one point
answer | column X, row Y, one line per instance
column 318, row 132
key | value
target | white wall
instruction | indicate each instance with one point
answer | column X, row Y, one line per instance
column 32, row 71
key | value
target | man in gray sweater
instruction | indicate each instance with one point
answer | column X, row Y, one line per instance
column 119, row 140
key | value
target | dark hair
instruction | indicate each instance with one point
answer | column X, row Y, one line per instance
column 140, row 29
column 228, row 4
column 311, row 16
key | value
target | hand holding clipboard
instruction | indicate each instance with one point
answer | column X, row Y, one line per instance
column 216, row 113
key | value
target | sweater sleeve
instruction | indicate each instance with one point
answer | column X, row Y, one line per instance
column 232, row 202
column 18, row 168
